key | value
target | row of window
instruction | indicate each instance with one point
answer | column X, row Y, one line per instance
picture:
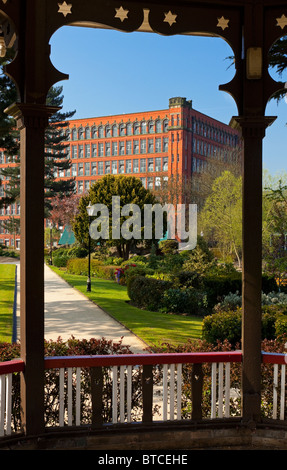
column 115, row 130
column 149, row 182
column 13, row 209
column 213, row 133
column 114, row 167
column 128, row 147
column 209, row 150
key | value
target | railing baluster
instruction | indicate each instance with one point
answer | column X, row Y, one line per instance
column 282, row 398
column 164, row 392
column 178, row 398
column 115, row 394
column 213, row 389
column 220, row 390
column 122, row 394
column 2, row 404
column 129, row 393
column 171, row 389
column 227, row 390
column 275, row 391
column 70, row 396
column 78, row 396
column 61, row 397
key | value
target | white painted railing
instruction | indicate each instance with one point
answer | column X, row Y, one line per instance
column 279, row 383
column 7, row 369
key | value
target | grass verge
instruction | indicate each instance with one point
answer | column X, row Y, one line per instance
column 154, row 328
column 7, row 285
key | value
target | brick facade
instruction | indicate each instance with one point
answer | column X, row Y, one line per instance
column 155, row 146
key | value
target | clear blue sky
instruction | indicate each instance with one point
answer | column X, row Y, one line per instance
column 111, row 72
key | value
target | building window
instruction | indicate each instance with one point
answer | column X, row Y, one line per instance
column 74, row 151
column 101, row 150
column 158, row 145
column 100, row 168
column 151, row 127
column 115, row 130
column 136, row 147
column 143, row 165
column 74, row 169
column 128, row 147
column 164, row 164
column 143, row 127
column 165, row 144
column 158, row 164
column 81, row 133
column 107, row 167
column 165, row 125
column 150, row 164
column 87, row 169
column 81, row 151
column 136, row 128
column 94, row 150
column 108, row 149
column 136, row 166
column 122, row 148
column 143, row 146
column 94, row 132
column 80, row 169
column 74, row 134
column 122, row 129
column 150, row 182
column 128, row 166
column 114, row 148
column 87, row 186
column 100, row 132
column 87, row 150
column 150, row 145
column 158, row 126
column 129, row 129
column 114, row 167
column 143, row 181
column 121, row 166
column 80, row 186
column 108, row 131
column 94, row 168
column 87, row 133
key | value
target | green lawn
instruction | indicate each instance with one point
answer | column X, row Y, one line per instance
column 7, row 283
column 152, row 327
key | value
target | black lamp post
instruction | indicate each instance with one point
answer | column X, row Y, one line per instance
column 90, row 212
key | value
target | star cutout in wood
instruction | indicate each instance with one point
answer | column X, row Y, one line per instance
column 121, row 14
column 65, row 8
column 282, row 21
column 170, row 18
column 222, row 23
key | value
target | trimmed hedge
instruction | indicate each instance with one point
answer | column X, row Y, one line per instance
column 80, row 266
column 226, row 325
column 146, row 292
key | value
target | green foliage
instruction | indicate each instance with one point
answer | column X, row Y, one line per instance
column 168, row 247
column 80, row 266
column 131, row 191
column 190, row 301
column 146, row 292
column 222, row 326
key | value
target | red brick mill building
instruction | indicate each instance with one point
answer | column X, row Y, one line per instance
column 171, row 144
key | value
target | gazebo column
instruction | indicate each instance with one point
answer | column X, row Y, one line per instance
column 32, row 119
column 253, row 132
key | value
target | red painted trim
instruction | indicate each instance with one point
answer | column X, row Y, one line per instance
column 9, row 367
column 141, row 359
column 274, row 358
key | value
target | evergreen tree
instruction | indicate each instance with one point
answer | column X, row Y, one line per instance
column 56, row 157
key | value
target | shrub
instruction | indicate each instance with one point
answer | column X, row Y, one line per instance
column 147, row 292
column 188, row 301
column 222, row 326
column 281, row 326
column 80, row 266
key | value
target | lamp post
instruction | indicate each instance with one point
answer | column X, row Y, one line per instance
column 90, row 213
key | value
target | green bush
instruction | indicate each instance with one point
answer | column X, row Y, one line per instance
column 222, row 326
column 80, row 266
column 281, row 326
column 188, row 301
column 146, row 292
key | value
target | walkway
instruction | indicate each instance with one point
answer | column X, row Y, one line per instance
column 69, row 313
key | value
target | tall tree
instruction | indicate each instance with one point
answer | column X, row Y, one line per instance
column 131, row 191
column 221, row 217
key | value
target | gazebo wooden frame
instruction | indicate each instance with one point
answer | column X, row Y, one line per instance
column 250, row 27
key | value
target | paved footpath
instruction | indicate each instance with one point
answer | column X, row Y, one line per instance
column 68, row 312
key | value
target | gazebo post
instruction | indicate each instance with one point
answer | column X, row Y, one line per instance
column 253, row 131
column 32, row 119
